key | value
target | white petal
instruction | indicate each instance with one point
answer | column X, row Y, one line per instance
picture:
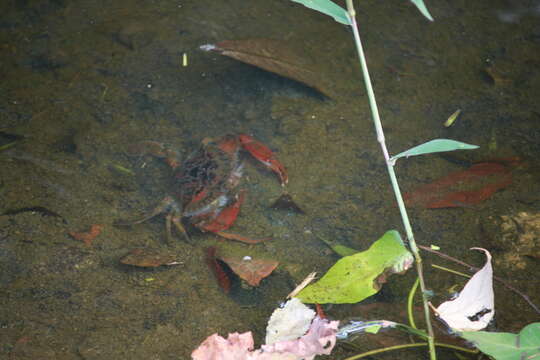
column 290, row 322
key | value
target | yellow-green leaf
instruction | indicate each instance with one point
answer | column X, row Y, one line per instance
column 356, row 277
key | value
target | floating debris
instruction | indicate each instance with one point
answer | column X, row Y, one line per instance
column 121, row 169
column 452, row 118
column 89, row 236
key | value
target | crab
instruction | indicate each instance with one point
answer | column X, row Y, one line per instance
column 206, row 191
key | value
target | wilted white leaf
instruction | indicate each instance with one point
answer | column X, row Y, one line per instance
column 473, row 309
column 289, row 322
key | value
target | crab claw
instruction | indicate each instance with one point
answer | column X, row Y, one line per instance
column 262, row 153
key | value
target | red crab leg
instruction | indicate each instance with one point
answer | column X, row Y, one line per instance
column 226, row 217
column 262, row 153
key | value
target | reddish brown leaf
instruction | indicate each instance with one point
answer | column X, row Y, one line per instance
column 251, row 270
column 275, row 56
column 463, row 188
column 217, row 268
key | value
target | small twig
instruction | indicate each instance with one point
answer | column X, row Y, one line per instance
column 302, row 285
column 474, row 268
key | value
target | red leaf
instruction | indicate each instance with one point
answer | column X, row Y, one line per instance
column 464, row 188
column 251, row 270
column 217, row 268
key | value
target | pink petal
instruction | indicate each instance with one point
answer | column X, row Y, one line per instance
column 235, row 347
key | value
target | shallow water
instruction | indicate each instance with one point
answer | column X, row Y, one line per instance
column 82, row 81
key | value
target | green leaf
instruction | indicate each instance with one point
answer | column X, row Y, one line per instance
column 373, row 329
column 433, row 146
column 507, row 346
column 338, row 248
column 423, row 9
column 329, row 8
column 356, row 277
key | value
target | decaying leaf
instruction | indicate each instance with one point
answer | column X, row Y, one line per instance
column 319, row 340
column 289, row 322
column 464, row 188
column 251, row 270
column 276, row 56
column 286, row 202
column 473, row 308
column 146, row 257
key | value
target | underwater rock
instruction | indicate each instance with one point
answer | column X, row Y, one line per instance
column 517, row 235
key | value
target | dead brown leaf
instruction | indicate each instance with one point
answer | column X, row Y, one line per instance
column 276, row 56
column 251, row 270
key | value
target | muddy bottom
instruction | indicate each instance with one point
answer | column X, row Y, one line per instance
column 84, row 81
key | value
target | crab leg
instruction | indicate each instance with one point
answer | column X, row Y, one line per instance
column 225, row 219
column 163, row 206
column 226, row 216
column 176, row 219
column 266, row 156
column 173, row 217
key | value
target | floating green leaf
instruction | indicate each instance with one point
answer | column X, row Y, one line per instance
column 423, row 9
column 329, row 8
column 507, row 346
column 356, row 277
column 433, row 146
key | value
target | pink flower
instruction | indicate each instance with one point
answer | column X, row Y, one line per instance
column 320, row 339
column 235, row 347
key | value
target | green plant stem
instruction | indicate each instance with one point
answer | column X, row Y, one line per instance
column 398, row 347
column 410, row 301
column 392, row 174
column 450, row 270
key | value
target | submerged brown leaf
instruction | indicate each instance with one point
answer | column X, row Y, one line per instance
column 286, row 202
column 466, row 187
column 275, row 56
column 146, row 257
column 251, row 270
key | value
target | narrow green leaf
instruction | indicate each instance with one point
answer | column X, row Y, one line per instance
column 507, row 346
column 356, row 277
column 433, row 146
column 423, row 9
column 329, row 8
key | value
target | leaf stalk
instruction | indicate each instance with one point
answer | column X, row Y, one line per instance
column 390, row 167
